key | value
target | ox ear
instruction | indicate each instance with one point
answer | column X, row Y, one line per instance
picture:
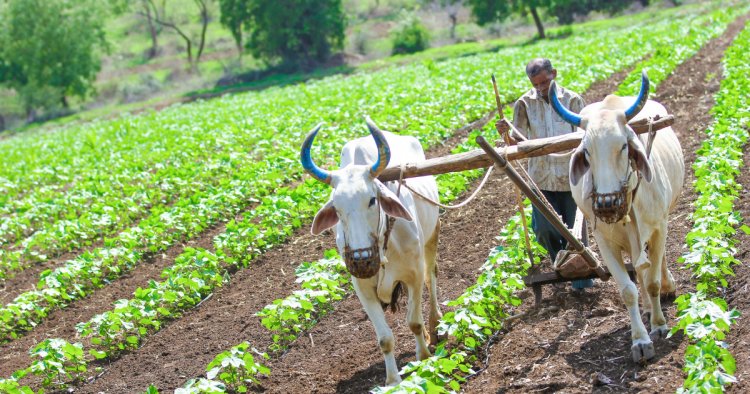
column 637, row 153
column 391, row 204
column 578, row 165
column 324, row 219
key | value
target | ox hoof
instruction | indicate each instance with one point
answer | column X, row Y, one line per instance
column 668, row 296
column 642, row 352
column 659, row 333
column 393, row 382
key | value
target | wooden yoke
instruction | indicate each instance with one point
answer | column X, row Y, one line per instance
column 530, row 148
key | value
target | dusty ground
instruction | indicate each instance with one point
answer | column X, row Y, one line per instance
column 557, row 351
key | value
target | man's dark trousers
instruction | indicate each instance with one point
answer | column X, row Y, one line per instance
column 548, row 236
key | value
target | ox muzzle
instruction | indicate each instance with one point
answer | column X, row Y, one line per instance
column 613, row 207
column 362, row 263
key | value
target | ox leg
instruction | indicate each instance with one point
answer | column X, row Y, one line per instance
column 653, row 283
column 645, row 299
column 668, row 285
column 414, row 316
column 369, row 299
column 431, row 267
column 643, row 347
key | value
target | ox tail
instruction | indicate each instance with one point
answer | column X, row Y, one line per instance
column 398, row 291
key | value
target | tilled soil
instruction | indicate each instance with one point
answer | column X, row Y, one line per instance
column 558, row 350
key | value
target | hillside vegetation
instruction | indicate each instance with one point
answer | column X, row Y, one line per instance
column 135, row 76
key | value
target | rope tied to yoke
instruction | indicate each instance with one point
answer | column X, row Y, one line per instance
column 439, row 204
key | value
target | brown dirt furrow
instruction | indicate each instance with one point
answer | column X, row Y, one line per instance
column 26, row 280
column 61, row 323
column 590, row 334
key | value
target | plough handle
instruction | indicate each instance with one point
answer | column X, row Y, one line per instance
column 552, row 217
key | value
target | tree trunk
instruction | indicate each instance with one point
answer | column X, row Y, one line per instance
column 2, row 123
column 188, row 42
column 239, row 52
column 454, row 20
column 538, row 22
column 152, row 30
column 204, row 20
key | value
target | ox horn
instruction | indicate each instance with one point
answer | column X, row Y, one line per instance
column 568, row 115
column 306, row 160
column 384, row 151
column 641, row 100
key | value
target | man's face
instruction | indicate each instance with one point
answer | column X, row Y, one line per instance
column 542, row 81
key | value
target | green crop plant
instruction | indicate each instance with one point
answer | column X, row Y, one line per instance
column 704, row 317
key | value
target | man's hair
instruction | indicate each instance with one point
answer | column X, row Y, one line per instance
column 538, row 65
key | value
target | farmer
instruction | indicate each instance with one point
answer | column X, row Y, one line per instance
column 534, row 117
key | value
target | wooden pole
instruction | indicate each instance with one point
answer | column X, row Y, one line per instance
column 531, row 148
column 552, row 217
column 519, row 199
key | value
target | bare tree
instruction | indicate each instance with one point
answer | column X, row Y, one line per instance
column 152, row 29
column 161, row 19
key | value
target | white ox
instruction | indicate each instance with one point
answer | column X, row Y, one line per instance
column 604, row 172
column 359, row 208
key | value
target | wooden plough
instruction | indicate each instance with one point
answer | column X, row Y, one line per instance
column 499, row 157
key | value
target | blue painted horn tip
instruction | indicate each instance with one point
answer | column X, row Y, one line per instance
column 316, row 128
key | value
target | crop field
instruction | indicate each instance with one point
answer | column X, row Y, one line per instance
column 170, row 251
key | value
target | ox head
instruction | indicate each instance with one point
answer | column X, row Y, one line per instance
column 609, row 153
column 359, row 203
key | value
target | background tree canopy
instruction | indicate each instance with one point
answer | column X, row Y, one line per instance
column 297, row 34
column 491, row 11
column 50, row 49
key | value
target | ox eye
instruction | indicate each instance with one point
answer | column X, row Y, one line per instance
column 372, row 202
column 623, row 147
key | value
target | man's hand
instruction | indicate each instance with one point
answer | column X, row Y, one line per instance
column 503, row 128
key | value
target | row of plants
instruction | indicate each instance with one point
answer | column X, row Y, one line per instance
column 91, row 270
column 478, row 313
column 29, row 308
column 194, row 275
column 704, row 316
column 113, row 212
column 61, row 363
column 118, row 164
column 322, row 283
column 665, row 59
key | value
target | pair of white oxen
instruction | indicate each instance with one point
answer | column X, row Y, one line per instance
column 604, row 171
